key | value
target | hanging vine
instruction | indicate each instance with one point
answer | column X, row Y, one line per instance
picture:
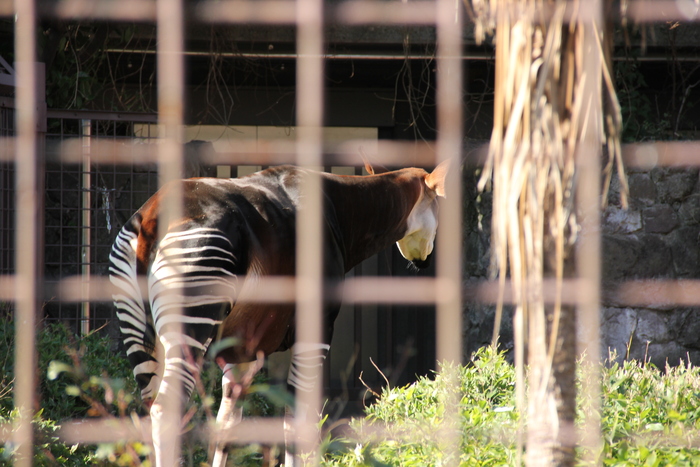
column 89, row 65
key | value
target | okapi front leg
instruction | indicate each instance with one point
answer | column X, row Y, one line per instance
column 306, row 366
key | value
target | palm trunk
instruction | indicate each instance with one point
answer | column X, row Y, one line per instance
column 548, row 101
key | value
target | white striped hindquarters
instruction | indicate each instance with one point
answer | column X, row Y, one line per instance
column 191, row 288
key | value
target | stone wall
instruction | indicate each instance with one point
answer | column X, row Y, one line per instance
column 657, row 237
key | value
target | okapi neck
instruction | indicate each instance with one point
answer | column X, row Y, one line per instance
column 372, row 211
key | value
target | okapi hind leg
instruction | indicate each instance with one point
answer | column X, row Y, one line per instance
column 306, row 365
column 234, row 383
column 229, row 414
column 179, row 376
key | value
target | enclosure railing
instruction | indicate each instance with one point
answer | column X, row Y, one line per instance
column 308, row 289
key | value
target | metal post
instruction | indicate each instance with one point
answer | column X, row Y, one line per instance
column 449, row 147
column 27, row 233
column 170, row 158
column 309, row 81
column 588, row 262
column 86, row 226
column 449, row 240
column 588, row 192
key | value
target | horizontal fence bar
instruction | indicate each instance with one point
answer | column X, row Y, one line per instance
column 253, row 11
column 349, row 12
column 139, row 151
column 389, row 12
column 657, row 293
column 650, row 11
column 662, row 154
column 664, row 293
column 105, row 430
column 135, row 151
column 122, row 10
column 268, row 289
column 353, row 12
column 268, row 431
column 249, row 430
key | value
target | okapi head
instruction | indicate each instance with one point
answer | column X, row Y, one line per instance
column 418, row 242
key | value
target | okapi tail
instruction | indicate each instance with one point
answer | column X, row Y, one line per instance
column 135, row 321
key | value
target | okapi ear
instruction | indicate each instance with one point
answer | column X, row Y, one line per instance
column 436, row 179
column 372, row 170
column 368, row 166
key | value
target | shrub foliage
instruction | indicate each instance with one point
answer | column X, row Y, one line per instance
column 650, row 416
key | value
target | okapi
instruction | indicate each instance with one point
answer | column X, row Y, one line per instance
column 245, row 228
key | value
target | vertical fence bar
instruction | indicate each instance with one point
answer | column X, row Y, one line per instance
column 309, row 266
column 27, row 230
column 170, row 63
column 85, row 257
column 449, row 148
column 449, row 238
column 588, row 262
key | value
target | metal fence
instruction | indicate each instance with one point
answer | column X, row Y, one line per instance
column 85, row 204
column 445, row 290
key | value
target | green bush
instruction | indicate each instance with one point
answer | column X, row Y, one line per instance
column 85, row 377
column 78, row 378
column 412, row 417
column 87, row 366
column 650, row 417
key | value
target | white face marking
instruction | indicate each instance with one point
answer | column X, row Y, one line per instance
column 418, row 242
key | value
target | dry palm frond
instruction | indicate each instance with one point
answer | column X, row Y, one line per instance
column 541, row 112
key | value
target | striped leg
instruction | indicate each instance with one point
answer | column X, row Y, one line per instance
column 190, row 276
column 180, row 370
column 236, row 379
column 306, row 365
column 228, row 415
column 134, row 321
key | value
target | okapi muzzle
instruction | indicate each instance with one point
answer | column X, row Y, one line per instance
column 418, row 242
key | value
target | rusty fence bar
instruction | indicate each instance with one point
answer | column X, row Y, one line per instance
column 309, row 241
column 349, row 11
column 449, row 148
column 171, row 94
column 656, row 293
column 588, row 264
column 271, row 152
column 449, row 241
column 28, row 233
